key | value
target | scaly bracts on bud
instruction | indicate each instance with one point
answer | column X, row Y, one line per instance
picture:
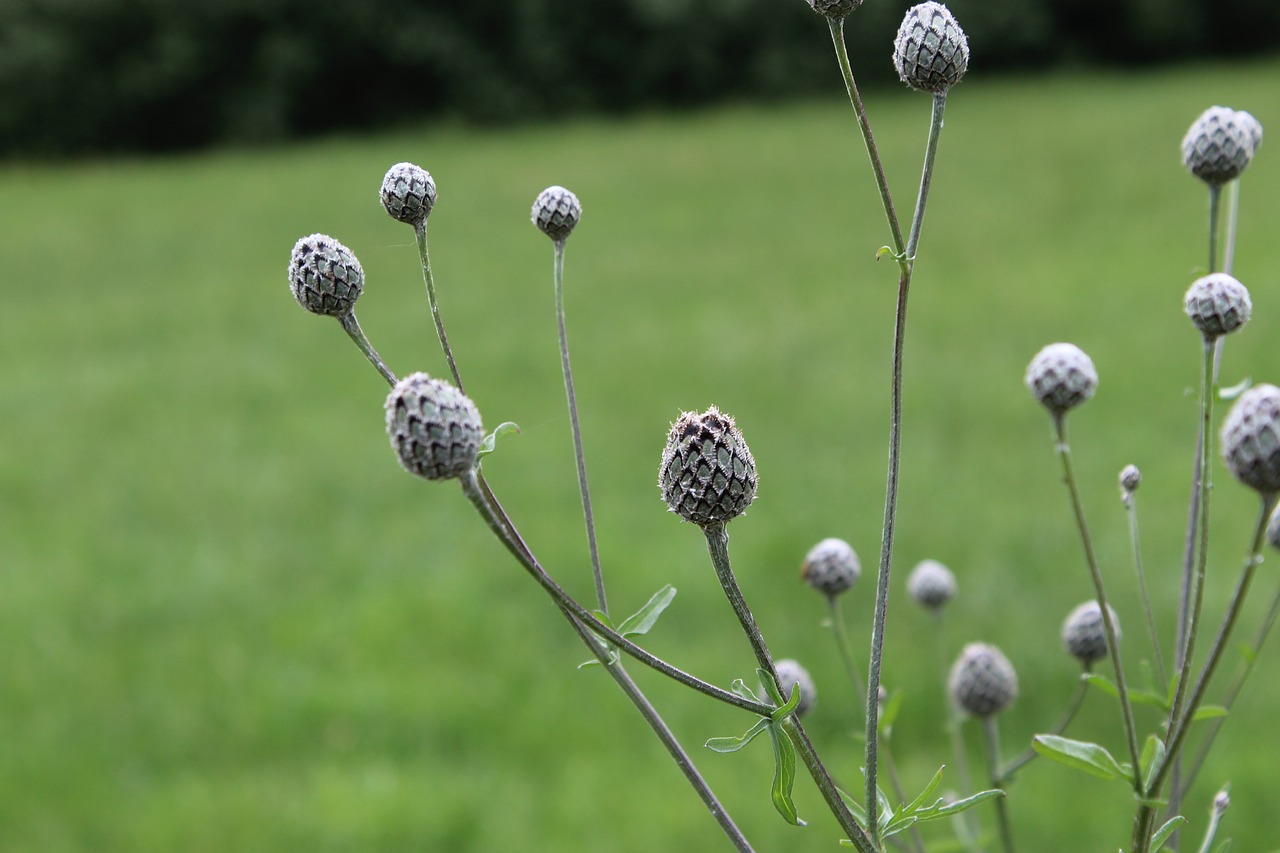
column 324, row 276
column 931, row 584
column 1251, row 439
column 434, row 428
column 982, row 681
column 1061, row 377
column 1220, row 144
column 707, row 475
column 930, row 52
column 1218, row 304
column 831, row 567
column 555, row 212
column 834, row 9
column 1130, row 479
column 1084, row 635
column 408, row 193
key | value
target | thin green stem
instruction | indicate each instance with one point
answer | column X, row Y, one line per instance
column 827, row 786
column 926, row 176
column 991, row 734
column 1219, row 807
column 420, row 231
column 351, row 326
column 1215, row 198
column 959, row 755
column 1073, row 707
column 1233, row 216
column 1135, row 547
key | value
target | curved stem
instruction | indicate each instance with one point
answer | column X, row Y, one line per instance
column 1135, row 547
column 991, row 733
column 420, row 231
column 351, row 326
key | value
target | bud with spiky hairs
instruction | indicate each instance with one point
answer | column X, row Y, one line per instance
column 982, row 681
column 555, row 212
column 1130, row 479
column 790, row 675
column 931, row 584
column 931, row 52
column 324, row 276
column 1251, row 439
column 831, row 567
column 1061, row 377
column 1084, row 635
column 707, row 475
column 1219, row 145
column 834, row 9
column 1218, row 304
column 434, row 428
column 408, row 193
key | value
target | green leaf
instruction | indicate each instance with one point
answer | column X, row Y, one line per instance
column 740, row 688
column 733, row 744
column 770, row 685
column 784, row 774
column 890, row 714
column 1137, row 697
column 1248, row 654
column 914, row 806
column 899, row 824
column 855, row 808
column 491, row 440
column 1223, row 847
column 1151, row 760
column 1082, row 755
column 1163, row 833
column 1209, row 712
column 961, row 805
column 642, row 620
column 1235, row 390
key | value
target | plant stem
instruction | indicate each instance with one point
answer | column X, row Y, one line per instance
column 1073, row 706
column 1135, row 546
column 351, row 326
column 926, row 176
column 1215, row 198
column 991, row 733
column 1233, row 216
column 420, row 231
column 959, row 755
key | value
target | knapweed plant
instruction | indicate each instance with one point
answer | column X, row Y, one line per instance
column 708, row 477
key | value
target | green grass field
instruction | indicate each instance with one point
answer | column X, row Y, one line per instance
column 231, row 622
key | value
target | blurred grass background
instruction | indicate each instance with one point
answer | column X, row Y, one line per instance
column 231, row 621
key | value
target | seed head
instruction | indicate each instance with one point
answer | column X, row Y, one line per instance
column 834, row 9
column 1251, row 439
column 831, row 567
column 408, row 193
column 931, row 52
column 1130, row 479
column 1084, row 634
column 791, row 674
column 707, row 475
column 982, row 680
column 931, row 584
column 1061, row 377
column 1218, row 304
column 556, row 211
column 324, row 276
column 1219, row 145
column 434, row 428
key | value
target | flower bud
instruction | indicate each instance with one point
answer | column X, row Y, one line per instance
column 1251, row 439
column 791, row 674
column 1219, row 145
column 408, row 193
column 1061, row 377
column 982, row 680
column 1084, row 635
column 1130, row 479
column 931, row 52
column 324, row 276
column 707, row 475
column 931, row 584
column 831, row 567
column 556, row 211
column 1217, row 304
column 834, row 9
column 434, row 428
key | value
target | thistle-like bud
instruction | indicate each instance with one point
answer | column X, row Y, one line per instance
column 931, row 52
column 1061, row 377
column 556, row 211
column 1251, row 439
column 1130, row 479
column 324, row 276
column 1273, row 529
column 931, row 584
column 831, row 567
column 834, row 9
column 1218, row 304
column 982, row 680
column 408, row 193
column 707, row 475
column 1084, row 635
column 1253, row 127
column 1219, row 145
column 434, row 428
column 791, row 674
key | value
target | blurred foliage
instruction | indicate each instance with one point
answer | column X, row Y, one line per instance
column 101, row 75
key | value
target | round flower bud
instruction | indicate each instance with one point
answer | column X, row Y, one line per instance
column 834, row 9
column 1218, row 304
column 931, row 52
column 1130, row 479
column 1084, row 635
column 408, row 193
column 556, row 211
column 931, row 584
column 1273, row 529
column 1219, row 145
column 324, row 276
column 1061, row 377
column 791, row 674
column 982, row 680
column 434, row 428
column 1251, row 439
column 1251, row 126
column 707, row 475
column 831, row 567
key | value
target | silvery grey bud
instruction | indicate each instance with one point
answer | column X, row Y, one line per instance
column 1084, row 635
column 707, row 475
column 556, row 211
column 831, row 567
column 1251, row 126
column 931, row 584
column 931, row 52
column 982, row 680
column 324, row 276
column 1251, row 439
column 1061, row 377
column 791, row 674
column 408, row 193
column 434, row 428
column 1130, row 479
column 1273, row 529
column 834, row 9
column 1219, row 145
column 1218, row 304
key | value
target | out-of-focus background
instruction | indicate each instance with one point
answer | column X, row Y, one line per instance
column 229, row 621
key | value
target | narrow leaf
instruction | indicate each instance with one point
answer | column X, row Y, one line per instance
column 890, row 714
column 491, row 440
column 1089, row 757
column 1209, row 712
column 770, row 685
column 1163, row 833
column 914, row 806
column 855, row 808
column 961, row 805
column 784, row 774
column 740, row 688
column 1151, row 760
column 733, row 744
column 898, row 824
column 642, row 620
column 1136, row 696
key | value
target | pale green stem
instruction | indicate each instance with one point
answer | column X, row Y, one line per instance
column 1216, row 811
column 968, row 832
column 352, row 327
column 420, row 231
column 1233, row 216
column 991, row 733
column 1135, row 546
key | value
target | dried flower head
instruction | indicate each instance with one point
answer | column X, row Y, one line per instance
column 324, row 276
column 931, row 584
column 1251, row 439
column 1218, row 304
column 1084, row 635
column 982, row 681
column 434, row 428
column 1219, row 145
column 930, row 52
column 1130, row 479
column 408, row 193
column 1061, row 377
column 831, row 567
column 556, row 211
column 707, row 475
column 834, row 9
column 791, row 675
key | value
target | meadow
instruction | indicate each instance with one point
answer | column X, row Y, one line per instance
column 231, row 622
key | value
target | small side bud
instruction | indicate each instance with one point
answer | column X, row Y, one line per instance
column 931, row 585
column 831, row 567
column 1219, row 145
column 324, row 276
column 555, row 212
column 1084, row 635
column 930, row 52
column 1130, row 479
column 707, row 474
column 791, row 674
column 408, row 193
column 434, row 428
column 1251, row 439
column 982, row 681
column 1218, row 304
column 1061, row 377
